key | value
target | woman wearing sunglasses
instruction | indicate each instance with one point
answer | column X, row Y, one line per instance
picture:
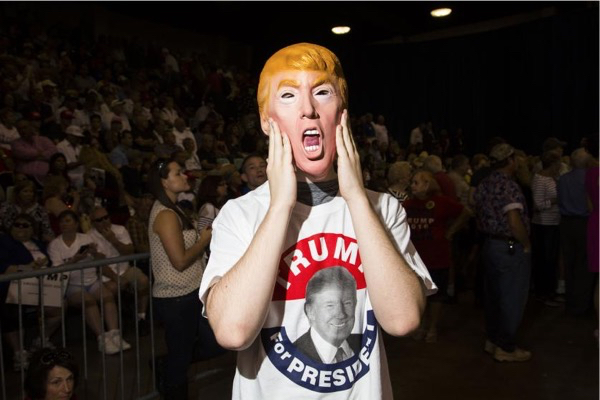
column 52, row 375
column 21, row 251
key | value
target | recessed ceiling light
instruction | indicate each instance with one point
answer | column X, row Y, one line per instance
column 441, row 12
column 340, row 30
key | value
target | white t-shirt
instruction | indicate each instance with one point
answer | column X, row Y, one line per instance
column 317, row 238
column 60, row 253
column 71, row 153
column 110, row 251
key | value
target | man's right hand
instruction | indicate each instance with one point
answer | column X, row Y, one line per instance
column 280, row 169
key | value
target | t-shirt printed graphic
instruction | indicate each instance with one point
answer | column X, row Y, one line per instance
column 328, row 348
column 301, row 351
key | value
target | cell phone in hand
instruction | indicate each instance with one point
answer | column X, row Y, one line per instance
column 83, row 249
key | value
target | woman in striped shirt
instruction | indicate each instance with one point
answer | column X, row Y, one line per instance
column 545, row 228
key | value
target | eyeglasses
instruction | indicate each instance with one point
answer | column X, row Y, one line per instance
column 23, row 225
column 100, row 219
column 52, row 357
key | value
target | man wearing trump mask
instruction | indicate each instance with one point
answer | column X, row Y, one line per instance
column 307, row 217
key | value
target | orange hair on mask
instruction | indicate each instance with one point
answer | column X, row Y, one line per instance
column 300, row 57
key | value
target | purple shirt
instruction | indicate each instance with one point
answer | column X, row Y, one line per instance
column 494, row 197
column 25, row 153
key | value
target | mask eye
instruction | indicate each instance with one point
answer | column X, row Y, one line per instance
column 287, row 97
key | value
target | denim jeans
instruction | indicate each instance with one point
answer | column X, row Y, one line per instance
column 507, row 288
column 180, row 317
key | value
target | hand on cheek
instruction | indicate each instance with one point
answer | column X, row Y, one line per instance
column 349, row 169
column 280, row 168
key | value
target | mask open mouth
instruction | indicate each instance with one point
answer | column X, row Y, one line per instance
column 311, row 140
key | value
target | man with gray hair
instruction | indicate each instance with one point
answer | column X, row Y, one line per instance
column 572, row 203
column 330, row 307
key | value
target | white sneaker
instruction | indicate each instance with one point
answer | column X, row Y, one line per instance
column 118, row 341
column 20, row 360
column 106, row 344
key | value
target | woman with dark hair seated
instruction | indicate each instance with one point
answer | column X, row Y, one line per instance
column 52, row 375
column 25, row 201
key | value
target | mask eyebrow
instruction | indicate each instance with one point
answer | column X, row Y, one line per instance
column 288, row 83
column 321, row 81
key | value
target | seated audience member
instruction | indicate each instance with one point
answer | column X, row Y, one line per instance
column 132, row 177
column 58, row 197
column 32, row 152
column 181, row 132
column 143, row 137
column 206, row 152
column 71, row 148
column 433, row 220
column 234, row 184
column 53, row 374
column 113, row 189
column 398, row 180
column 253, row 172
column 137, row 225
column 212, row 195
column 167, row 148
column 25, row 202
column 96, row 131
column 114, row 241
column 8, row 131
column 20, row 251
column 119, row 156
column 57, row 166
column 72, row 247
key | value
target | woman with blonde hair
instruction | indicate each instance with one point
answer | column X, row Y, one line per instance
column 433, row 219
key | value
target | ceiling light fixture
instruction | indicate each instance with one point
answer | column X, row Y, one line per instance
column 441, row 12
column 340, row 30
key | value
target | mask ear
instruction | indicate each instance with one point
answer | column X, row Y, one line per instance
column 264, row 124
column 244, row 178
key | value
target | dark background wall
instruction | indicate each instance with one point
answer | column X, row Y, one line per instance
column 524, row 83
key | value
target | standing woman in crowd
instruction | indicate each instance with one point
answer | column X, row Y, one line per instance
column 433, row 219
column 176, row 249
column 545, row 238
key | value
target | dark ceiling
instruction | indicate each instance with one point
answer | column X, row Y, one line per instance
column 276, row 23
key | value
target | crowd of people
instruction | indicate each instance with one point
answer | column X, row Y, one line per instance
column 108, row 148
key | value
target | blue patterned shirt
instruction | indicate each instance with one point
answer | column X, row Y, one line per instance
column 494, row 197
